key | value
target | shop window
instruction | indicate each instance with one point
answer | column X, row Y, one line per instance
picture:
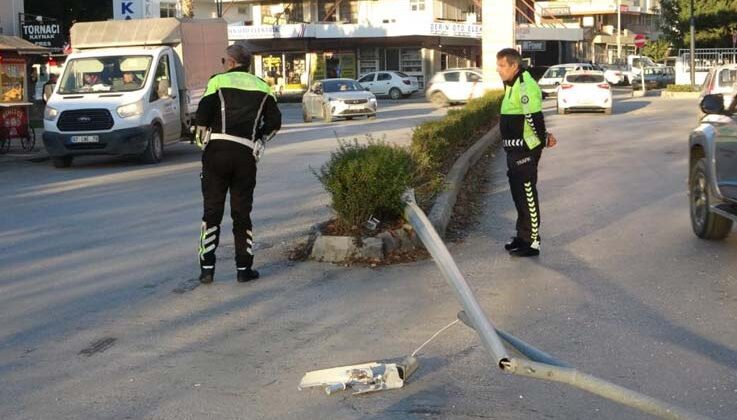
column 392, row 59
column 296, row 69
column 368, row 60
column 417, row 5
column 411, row 60
column 12, row 80
column 272, row 72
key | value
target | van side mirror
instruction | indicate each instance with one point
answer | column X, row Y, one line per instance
column 713, row 104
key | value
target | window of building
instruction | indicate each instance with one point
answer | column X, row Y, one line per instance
column 417, row 5
column 245, row 13
column 331, row 11
column 168, row 10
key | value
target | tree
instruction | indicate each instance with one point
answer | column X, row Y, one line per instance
column 715, row 22
column 187, row 8
column 657, row 50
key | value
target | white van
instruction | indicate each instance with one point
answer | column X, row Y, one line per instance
column 132, row 88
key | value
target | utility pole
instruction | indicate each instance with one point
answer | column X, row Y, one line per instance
column 693, row 48
column 498, row 31
column 619, row 30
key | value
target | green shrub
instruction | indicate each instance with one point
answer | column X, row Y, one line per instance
column 432, row 141
column 367, row 180
column 681, row 88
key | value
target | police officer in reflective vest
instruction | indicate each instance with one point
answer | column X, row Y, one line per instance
column 524, row 135
column 235, row 118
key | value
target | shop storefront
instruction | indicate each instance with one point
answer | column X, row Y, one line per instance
column 15, row 95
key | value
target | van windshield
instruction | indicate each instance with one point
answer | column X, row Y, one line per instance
column 104, row 74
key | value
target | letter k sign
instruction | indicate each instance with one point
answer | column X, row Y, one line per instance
column 126, row 8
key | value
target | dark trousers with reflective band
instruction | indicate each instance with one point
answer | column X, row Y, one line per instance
column 227, row 167
column 522, row 173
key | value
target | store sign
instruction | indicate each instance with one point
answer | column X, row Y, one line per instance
column 556, row 11
column 533, row 46
column 267, row 31
column 43, row 34
column 136, row 9
column 461, row 30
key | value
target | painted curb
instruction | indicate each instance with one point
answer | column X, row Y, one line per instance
column 442, row 210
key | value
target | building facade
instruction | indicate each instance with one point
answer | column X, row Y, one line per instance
column 9, row 10
column 599, row 21
column 297, row 42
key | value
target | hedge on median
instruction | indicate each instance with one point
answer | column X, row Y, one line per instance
column 681, row 88
column 366, row 180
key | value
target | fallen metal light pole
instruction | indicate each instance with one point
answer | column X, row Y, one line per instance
column 541, row 365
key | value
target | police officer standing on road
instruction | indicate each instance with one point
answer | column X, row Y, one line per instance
column 524, row 135
column 236, row 117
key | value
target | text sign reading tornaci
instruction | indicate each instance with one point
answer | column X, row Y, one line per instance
column 47, row 35
column 461, row 30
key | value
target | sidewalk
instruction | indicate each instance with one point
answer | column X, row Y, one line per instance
column 16, row 153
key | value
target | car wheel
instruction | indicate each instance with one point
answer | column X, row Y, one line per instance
column 62, row 161
column 439, row 99
column 327, row 113
column 561, row 111
column 155, row 150
column 705, row 224
column 306, row 117
column 395, row 93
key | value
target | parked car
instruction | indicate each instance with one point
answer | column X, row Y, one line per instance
column 584, row 91
column 338, row 98
column 395, row 84
column 555, row 74
column 655, row 78
column 713, row 169
column 455, row 86
column 720, row 79
column 613, row 73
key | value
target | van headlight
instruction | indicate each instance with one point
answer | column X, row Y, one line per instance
column 130, row 110
column 50, row 113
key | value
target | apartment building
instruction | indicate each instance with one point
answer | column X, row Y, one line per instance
column 598, row 19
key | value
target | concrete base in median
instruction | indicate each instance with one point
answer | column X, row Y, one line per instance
column 340, row 249
column 681, row 95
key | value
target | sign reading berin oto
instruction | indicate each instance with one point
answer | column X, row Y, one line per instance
column 44, row 34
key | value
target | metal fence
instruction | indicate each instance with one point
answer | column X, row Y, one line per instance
column 706, row 58
column 535, row 363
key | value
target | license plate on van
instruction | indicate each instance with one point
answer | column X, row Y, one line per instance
column 85, row 139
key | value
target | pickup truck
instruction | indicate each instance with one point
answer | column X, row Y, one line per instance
column 131, row 86
column 713, row 169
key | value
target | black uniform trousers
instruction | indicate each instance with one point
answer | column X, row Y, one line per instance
column 227, row 166
column 522, row 173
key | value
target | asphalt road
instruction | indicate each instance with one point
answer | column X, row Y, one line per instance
column 102, row 316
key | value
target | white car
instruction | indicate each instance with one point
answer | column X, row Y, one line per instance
column 341, row 98
column 554, row 75
column 613, row 74
column 395, row 84
column 584, row 91
column 455, row 86
column 721, row 79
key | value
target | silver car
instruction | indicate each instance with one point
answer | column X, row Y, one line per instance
column 338, row 98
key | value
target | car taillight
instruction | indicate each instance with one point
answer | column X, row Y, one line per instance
column 603, row 86
column 407, row 82
column 566, row 86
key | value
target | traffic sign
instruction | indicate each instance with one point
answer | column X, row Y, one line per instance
column 640, row 40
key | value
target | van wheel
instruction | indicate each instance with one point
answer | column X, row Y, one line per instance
column 155, row 150
column 62, row 161
column 327, row 113
column 395, row 93
column 705, row 224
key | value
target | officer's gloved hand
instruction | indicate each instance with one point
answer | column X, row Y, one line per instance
column 258, row 149
column 200, row 136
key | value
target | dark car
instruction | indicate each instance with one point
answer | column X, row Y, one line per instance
column 713, row 169
column 655, row 78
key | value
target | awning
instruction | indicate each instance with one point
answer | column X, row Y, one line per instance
column 20, row 46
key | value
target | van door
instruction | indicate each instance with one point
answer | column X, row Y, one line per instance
column 164, row 96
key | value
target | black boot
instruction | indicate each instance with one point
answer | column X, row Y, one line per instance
column 515, row 243
column 247, row 275
column 526, row 250
column 207, row 275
